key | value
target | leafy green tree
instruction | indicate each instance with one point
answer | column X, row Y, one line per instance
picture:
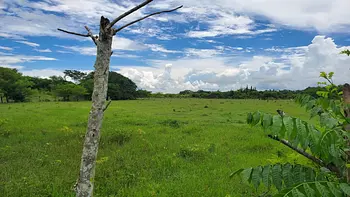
column 119, row 87
column 143, row 94
column 70, row 91
column 13, row 85
column 41, row 84
column 325, row 144
column 8, row 78
column 122, row 88
column 88, row 84
column 57, row 80
column 22, row 90
column 347, row 52
column 76, row 75
column 2, row 95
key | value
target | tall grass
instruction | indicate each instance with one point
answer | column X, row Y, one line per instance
column 156, row 147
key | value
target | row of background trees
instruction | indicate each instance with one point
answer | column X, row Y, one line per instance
column 76, row 85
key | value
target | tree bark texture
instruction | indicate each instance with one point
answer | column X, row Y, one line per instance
column 85, row 183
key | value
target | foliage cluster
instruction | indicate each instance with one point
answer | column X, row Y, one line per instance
column 18, row 88
column 325, row 144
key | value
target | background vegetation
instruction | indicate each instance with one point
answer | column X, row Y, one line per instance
column 14, row 87
column 75, row 86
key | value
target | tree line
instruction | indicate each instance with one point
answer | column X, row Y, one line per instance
column 244, row 93
column 76, row 85
column 73, row 86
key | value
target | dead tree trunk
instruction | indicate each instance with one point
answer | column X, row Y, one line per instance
column 84, row 186
column 88, row 160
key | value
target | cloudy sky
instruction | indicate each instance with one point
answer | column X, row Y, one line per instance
column 210, row 45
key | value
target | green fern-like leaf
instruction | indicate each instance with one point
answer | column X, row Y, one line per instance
column 266, row 176
column 287, row 175
column 322, row 189
column 256, row 176
column 302, row 133
column 267, row 121
column 256, row 118
column 314, row 189
column 315, row 111
column 289, row 125
column 311, row 104
column 324, row 102
column 249, row 118
column 277, row 176
column 334, row 190
column 309, row 191
column 328, row 121
column 305, row 100
column 345, row 188
column 326, row 144
column 277, row 126
column 297, row 193
column 323, row 75
column 336, row 109
column 246, row 175
column 314, row 138
column 297, row 173
column 322, row 94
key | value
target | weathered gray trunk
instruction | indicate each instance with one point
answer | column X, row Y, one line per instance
column 85, row 183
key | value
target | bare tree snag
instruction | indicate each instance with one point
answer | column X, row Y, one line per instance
column 85, row 183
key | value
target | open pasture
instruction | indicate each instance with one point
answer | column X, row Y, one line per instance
column 155, row 147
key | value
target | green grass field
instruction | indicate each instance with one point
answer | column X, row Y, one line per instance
column 162, row 147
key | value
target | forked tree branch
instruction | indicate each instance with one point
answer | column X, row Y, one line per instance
column 94, row 38
column 138, row 20
column 305, row 154
column 128, row 13
column 107, row 105
column 91, row 35
column 318, row 161
column 70, row 32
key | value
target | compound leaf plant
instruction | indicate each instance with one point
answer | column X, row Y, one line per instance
column 325, row 144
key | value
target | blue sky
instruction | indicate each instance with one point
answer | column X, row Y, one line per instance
column 211, row 45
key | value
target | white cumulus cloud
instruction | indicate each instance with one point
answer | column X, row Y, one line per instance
column 296, row 68
column 15, row 59
column 32, row 44
column 43, row 50
column 6, row 48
